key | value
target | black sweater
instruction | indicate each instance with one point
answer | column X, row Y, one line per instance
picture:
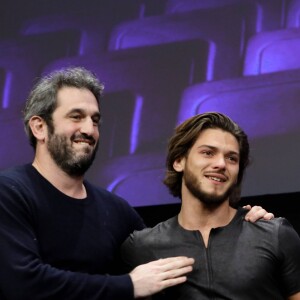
column 56, row 247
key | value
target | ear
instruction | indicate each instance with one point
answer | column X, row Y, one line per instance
column 179, row 164
column 38, row 127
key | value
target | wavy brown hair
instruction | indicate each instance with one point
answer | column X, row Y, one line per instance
column 185, row 137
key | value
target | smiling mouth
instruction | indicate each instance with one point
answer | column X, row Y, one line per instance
column 83, row 143
column 215, row 178
column 89, row 142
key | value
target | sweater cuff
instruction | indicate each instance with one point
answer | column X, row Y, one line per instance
column 121, row 287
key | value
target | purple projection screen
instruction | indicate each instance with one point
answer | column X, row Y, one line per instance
column 162, row 62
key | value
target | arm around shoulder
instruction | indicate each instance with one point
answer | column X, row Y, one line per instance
column 294, row 297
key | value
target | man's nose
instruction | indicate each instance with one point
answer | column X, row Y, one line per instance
column 220, row 161
column 88, row 127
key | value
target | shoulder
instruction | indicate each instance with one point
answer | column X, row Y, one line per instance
column 287, row 234
column 278, row 230
column 16, row 189
column 114, row 205
column 161, row 232
column 148, row 244
column 16, row 178
column 273, row 225
column 14, row 173
column 267, row 226
column 105, row 196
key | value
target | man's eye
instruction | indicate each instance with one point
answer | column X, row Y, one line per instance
column 233, row 158
column 76, row 117
column 207, row 153
column 96, row 121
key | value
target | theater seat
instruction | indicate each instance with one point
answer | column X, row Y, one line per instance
column 22, row 60
column 176, row 6
column 267, row 107
column 224, row 37
column 293, row 14
column 153, row 78
column 263, row 105
column 268, row 16
column 137, row 178
column 273, row 51
column 90, row 22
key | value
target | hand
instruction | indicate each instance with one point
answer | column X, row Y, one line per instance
column 157, row 275
column 257, row 212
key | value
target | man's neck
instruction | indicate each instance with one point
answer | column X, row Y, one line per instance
column 195, row 215
column 70, row 186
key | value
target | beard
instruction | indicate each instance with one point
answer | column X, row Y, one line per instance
column 211, row 199
column 65, row 156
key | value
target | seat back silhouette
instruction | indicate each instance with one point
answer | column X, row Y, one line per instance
column 91, row 21
column 153, row 78
column 272, row 52
column 225, row 37
column 263, row 105
column 22, row 61
column 267, row 108
column 269, row 14
column 293, row 14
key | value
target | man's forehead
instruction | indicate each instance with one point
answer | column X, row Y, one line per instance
column 216, row 137
column 73, row 97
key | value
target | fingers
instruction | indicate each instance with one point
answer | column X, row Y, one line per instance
column 157, row 275
column 173, row 262
column 268, row 216
column 248, row 206
column 173, row 267
column 256, row 213
column 172, row 281
column 174, row 272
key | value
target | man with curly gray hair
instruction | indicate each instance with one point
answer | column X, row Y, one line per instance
column 60, row 235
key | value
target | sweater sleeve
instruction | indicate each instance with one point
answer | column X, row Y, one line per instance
column 289, row 247
column 24, row 275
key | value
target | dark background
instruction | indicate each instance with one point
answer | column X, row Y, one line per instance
column 163, row 61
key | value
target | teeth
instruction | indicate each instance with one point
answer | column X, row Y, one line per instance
column 82, row 143
column 215, row 178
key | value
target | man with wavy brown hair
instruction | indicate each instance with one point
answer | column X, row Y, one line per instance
column 234, row 259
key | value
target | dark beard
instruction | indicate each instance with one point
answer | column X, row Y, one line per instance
column 194, row 187
column 66, row 158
